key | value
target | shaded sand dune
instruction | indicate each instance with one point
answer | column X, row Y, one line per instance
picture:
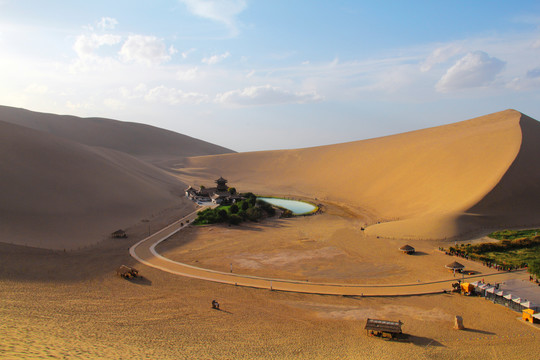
column 60, row 194
column 144, row 141
column 434, row 183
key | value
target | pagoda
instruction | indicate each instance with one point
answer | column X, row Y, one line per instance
column 221, row 185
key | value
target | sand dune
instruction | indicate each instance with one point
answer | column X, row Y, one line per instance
column 60, row 194
column 70, row 190
column 430, row 183
column 144, row 141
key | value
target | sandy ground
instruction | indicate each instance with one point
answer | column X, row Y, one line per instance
column 432, row 183
column 324, row 248
column 56, row 304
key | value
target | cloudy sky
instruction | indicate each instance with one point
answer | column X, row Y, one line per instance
column 257, row 75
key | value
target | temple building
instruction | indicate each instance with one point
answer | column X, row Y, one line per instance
column 217, row 195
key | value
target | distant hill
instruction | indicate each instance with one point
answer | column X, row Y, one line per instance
column 434, row 183
column 60, row 194
column 144, row 141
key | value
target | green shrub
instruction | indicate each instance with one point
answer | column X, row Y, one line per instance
column 235, row 219
column 254, row 213
column 534, row 267
column 222, row 215
column 234, row 209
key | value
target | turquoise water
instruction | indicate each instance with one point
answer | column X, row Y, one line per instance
column 297, row 207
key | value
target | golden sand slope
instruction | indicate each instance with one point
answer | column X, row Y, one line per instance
column 418, row 184
column 60, row 194
column 144, row 141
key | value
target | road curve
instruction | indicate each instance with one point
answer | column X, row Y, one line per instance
column 144, row 252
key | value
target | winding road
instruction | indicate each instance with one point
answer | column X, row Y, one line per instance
column 144, row 251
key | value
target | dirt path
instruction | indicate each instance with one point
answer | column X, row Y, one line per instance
column 144, row 251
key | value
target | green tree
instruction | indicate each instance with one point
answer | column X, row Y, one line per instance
column 534, row 267
column 222, row 215
column 235, row 219
column 245, row 205
column 254, row 214
column 234, row 209
column 232, row 191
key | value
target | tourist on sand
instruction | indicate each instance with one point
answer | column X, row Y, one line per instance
column 215, row 305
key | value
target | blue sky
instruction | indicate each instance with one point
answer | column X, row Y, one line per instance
column 259, row 75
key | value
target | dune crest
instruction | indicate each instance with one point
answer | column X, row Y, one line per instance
column 431, row 183
column 144, row 141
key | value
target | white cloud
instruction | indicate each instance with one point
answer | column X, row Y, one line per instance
column 86, row 45
column 187, row 75
column 186, row 53
column 114, row 104
column 265, row 95
column 222, row 11
column 534, row 73
column 473, row 70
column 138, row 92
column 107, row 23
column 174, row 96
column 144, row 49
column 37, row 89
column 531, row 81
column 172, row 50
column 440, row 55
column 536, row 44
column 214, row 59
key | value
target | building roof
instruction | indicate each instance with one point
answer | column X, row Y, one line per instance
column 406, row 248
column 393, row 327
column 455, row 265
column 528, row 304
column 119, row 232
column 221, row 179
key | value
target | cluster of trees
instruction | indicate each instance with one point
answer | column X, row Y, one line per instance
column 501, row 246
column 534, row 267
column 480, row 252
column 247, row 209
column 514, row 234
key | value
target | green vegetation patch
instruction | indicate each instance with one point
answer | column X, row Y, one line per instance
column 515, row 258
column 514, row 249
column 247, row 209
column 513, row 234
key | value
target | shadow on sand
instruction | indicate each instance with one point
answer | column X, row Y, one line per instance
column 420, row 253
column 223, row 311
column 419, row 340
column 140, row 281
column 479, row 331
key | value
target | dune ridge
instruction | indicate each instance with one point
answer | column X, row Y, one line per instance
column 429, row 183
column 144, row 141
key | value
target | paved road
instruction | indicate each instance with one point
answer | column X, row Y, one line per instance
column 144, row 251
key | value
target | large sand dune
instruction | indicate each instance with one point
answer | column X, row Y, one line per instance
column 434, row 183
column 60, row 194
column 144, row 141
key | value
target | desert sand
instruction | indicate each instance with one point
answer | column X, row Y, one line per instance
column 429, row 184
column 72, row 304
column 56, row 303
column 69, row 182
